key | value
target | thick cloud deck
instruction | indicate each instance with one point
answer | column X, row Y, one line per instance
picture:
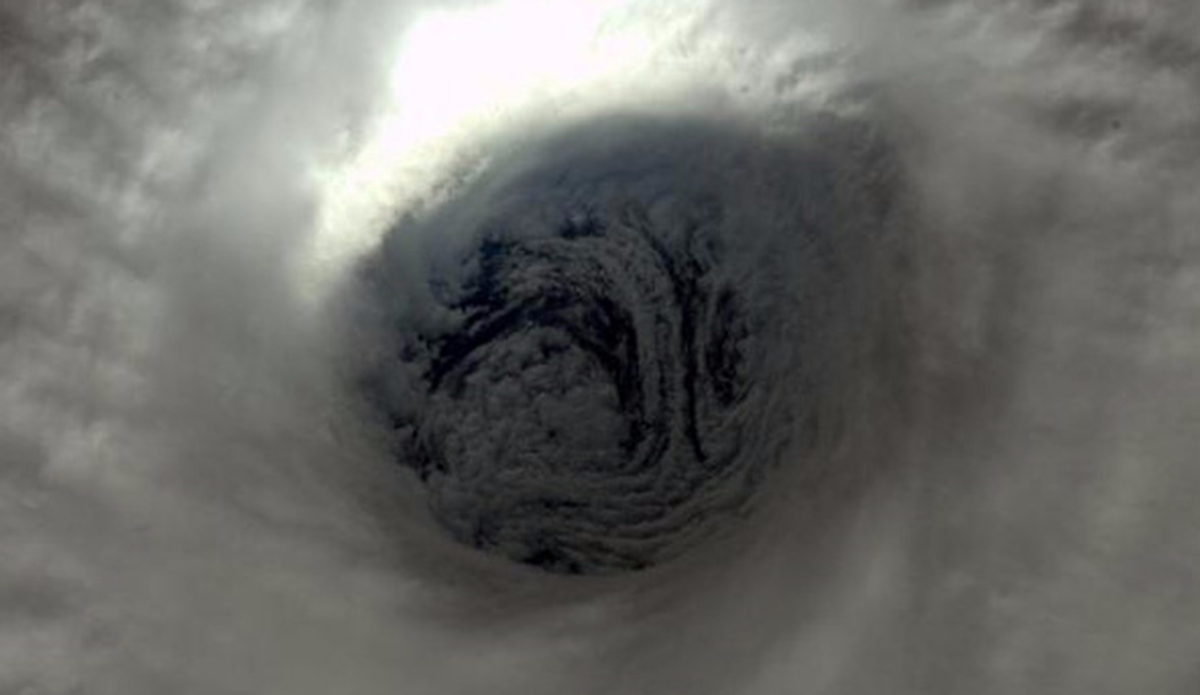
column 593, row 375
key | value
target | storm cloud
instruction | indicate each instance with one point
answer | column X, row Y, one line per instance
column 612, row 347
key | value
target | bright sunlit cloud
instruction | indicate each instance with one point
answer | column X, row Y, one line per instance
column 471, row 70
column 457, row 62
column 463, row 74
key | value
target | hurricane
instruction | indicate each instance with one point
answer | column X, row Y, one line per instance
column 599, row 347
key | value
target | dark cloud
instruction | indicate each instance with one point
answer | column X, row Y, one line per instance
column 617, row 318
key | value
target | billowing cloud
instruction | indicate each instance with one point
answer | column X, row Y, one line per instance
column 863, row 332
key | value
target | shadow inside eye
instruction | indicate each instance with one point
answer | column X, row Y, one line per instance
column 620, row 332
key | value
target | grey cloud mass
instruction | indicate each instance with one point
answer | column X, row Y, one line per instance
column 313, row 316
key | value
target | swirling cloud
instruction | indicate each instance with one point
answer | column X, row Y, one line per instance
column 864, row 331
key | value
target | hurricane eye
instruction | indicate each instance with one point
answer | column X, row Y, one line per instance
column 616, row 337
